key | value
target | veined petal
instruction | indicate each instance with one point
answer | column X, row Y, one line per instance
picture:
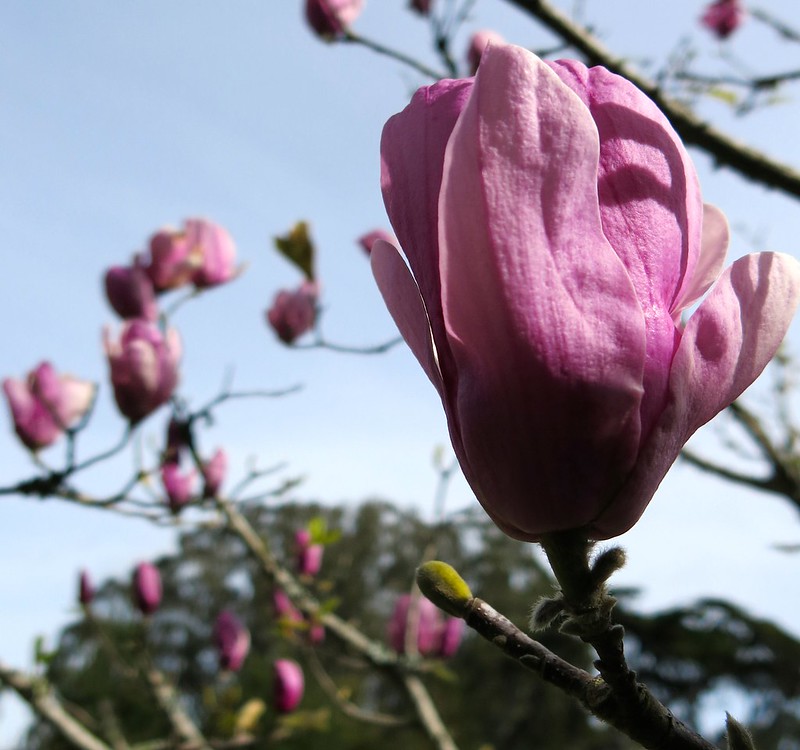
column 713, row 249
column 541, row 316
column 412, row 157
column 402, row 297
column 727, row 343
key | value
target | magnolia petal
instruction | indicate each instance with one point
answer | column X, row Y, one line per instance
column 537, row 305
column 713, row 249
column 727, row 343
column 402, row 297
column 412, row 157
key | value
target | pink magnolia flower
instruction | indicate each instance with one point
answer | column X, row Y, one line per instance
column 723, row 17
column 202, row 253
column 477, row 44
column 85, row 589
column 179, row 485
column 214, row 471
column 294, row 313
column 368, row 240
column 232, row 640
column 146, row 588
column 424, row 617
column 555, row 232
column 144, row 367
column 288, row 685
column 45, row 404
column 330, row 18
column 130, row 292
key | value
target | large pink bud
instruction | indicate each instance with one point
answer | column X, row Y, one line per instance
column 45, row 404
column 723, row 17
column 232, row 640
column 144, row 367
column 146, row 588
column 294, row 313
column 130, row 292
column 288, row 685
column 330, row 18
column 423, row 618
column 555, row 233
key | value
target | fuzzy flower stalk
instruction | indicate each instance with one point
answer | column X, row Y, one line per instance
column 555, row 232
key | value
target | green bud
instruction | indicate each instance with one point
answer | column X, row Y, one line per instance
column 442, row 584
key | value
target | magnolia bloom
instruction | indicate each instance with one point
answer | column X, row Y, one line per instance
column 146, row 588
column 45, row 404
column 450, row 637
column 288, row 685
column 555, row 232
column 423, row 617
column 85, row 589
column 477, row 45
column 144, row 367
column 202, row 253
column 368, row 240
column 294, row 313
column 130, row 292
column 723, row 17
column 179, row 485
column 232, row 641
column 214, row 471
column 330, row 18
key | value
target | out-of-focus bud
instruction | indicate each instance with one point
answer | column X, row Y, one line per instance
column 316, row 633
column 130, row 292
column 45, row 404
column 294, row 313
column 146, row 588
column 288, row 685
column 178, row 485
column 450, row 637
column 330, row 18
column 424, row 617
column 477, row 44
column 214, row 246
column 284, row 608
column 723, row 17
column 368, row 240
column 308, row 555
column 232, row 640
column 214, row 471
column 144, row 367
column 85, row 589
column 423, row 7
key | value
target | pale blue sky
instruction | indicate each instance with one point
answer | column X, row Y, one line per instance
column 118, row 118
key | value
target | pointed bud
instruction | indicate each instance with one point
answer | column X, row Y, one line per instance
column 288, row 685
column 146, row 588
column 214, row 471
column 442, row 584
column 232, row 640
column 85, row 589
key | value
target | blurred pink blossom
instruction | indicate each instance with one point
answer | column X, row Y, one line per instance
column 214, row 471
column 330, row 18
column 144, row 367
column 179, row 485
column 294, row 313
column 288, row 685
column 86, row 590
column 146, row 588
column 723, row 17
column 130, row 292
column 45, row 404
column 232, row 640
column 368, row 240
column 477, row 44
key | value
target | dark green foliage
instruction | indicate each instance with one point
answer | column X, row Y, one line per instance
column 487, row 700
